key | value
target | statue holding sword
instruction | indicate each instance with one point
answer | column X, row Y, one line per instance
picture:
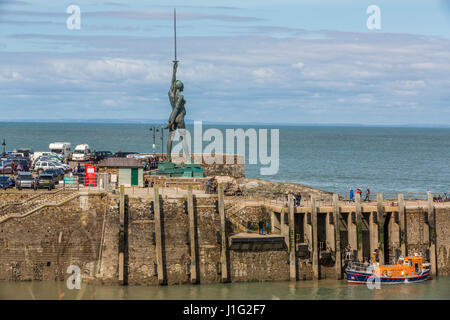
column 176, row 98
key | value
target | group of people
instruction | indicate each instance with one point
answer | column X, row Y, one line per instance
column 443, row 198
column 260, row 227
column 297, row 199
column 358, row 191
column 151, row 163
column 211, row 186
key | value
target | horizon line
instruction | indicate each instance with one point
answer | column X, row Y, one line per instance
column 160, row 121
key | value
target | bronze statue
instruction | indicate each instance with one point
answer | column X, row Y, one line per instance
column 176, row 98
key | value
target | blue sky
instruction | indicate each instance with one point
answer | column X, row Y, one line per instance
column 241, row 61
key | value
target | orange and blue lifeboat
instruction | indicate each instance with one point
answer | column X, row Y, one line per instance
column 406, row 270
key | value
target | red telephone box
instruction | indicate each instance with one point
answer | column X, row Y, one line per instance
column 90, row 175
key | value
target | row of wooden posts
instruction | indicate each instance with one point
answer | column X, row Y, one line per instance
column 376, row 233
column 159, row 240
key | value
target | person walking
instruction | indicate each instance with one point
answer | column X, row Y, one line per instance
column 367, row 194
column 261, row 227
column 208, row 186
column 249, row 226
column 352, row 195
column 267, row 227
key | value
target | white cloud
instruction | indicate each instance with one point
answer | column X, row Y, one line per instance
column 244, row 72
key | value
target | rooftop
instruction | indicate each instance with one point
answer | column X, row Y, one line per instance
column 120, row 163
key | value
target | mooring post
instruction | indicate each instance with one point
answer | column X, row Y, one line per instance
column 158, row 235
column 224, row 237
column 352, row 233
column 373, row 231
column 121, row 234
column 432, row 235
column 337, row 236
column 380, row 213
column 315, row 255
column 292, row 255
column 359, row 222
column 192, row 235
column 402, row 225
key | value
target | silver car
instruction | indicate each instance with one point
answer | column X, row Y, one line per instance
column 25, row 180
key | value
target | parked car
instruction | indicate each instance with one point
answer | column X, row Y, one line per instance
column 53, row 158
column 22, row 164
column 100, row 155
column 45, row 181
column 41, row 166
column 38, row 154
column 122, row 154
column 24, row 180
column 6, row 182
column 5, row 167
column 27, row 152
column 58, row 173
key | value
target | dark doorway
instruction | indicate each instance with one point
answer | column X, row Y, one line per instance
column 299, row 229
column 322, row 231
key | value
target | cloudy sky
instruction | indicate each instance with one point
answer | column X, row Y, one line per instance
column 275, row 61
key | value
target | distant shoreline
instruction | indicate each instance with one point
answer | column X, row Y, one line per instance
column 190, row 122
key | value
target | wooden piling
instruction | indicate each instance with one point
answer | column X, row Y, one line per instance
column 158, row 235
column 292, row 255
column 380, row 213
column 224, row 237
column 432, row 235
column 337, row 236
column 373, row 231
column 358, row 212
column 402, row 225
column 192, row 235
column 315, row 242
column 122, row 234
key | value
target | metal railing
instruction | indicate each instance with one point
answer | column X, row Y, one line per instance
column 82, row 183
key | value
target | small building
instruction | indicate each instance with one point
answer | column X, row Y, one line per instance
column 123, row 171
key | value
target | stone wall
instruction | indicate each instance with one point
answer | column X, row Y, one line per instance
column 443, row 241
column 85, row 232
column 417, row 240
column 177, row 182
column 42, row 246
column 234, row 167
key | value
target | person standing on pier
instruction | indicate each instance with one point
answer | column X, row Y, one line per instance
column 261, row 227
column 367, row 195
column 352, row 195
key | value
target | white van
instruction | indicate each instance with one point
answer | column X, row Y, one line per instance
column 81, row 153
column 64, row 149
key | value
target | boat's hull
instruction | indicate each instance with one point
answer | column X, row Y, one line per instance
column 363, row 277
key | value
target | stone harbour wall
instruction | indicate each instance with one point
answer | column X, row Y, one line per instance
column 85, row 232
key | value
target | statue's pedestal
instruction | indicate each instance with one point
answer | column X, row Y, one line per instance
column 173, row 170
